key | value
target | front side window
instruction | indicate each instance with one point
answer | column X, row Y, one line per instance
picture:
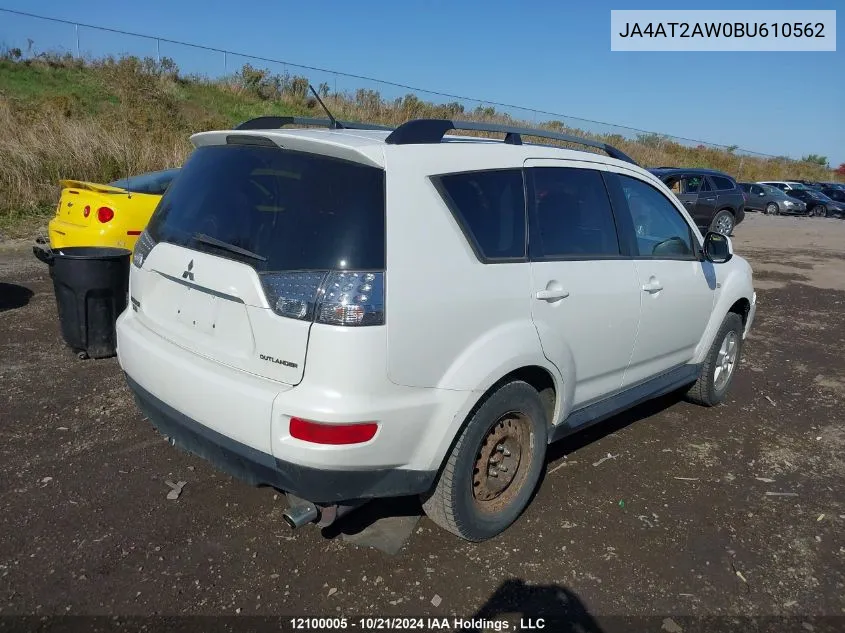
column 490, row 208
column 572, row 216
column 661, row 230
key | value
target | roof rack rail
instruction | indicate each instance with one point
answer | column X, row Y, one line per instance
column 271, row 122
column 429, row 131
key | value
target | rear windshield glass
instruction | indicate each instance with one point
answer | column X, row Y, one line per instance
column 153, row 183
column 290, row 210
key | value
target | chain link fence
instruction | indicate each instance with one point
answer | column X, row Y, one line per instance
column 90, row 42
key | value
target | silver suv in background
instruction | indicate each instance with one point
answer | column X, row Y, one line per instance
column 771, row 200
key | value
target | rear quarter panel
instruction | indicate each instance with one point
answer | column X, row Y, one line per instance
column 452, row 321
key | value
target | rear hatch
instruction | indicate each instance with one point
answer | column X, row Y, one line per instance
column 80, row 201
column 235, row 263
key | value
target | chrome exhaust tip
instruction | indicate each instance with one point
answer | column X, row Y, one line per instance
column 300, row 514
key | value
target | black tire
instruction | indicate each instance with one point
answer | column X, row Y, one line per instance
column 723, row 222
column 771, row 209
column 705, row 390
column 820, row 211
column 454, row 502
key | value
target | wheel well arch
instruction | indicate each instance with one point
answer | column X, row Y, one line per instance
column 742, row 308
column 538, row 377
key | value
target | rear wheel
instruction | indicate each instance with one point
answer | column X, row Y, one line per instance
column 723, row 222
column 771, row 209
column 719, row 366
column 492, row 470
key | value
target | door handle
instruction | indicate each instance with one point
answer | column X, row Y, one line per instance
column 551, row 295
column 709, row 199
column 653, row 286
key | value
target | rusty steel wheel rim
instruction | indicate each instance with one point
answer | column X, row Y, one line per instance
column 502, row 462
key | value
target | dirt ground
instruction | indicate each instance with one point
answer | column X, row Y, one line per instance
column 735, row 510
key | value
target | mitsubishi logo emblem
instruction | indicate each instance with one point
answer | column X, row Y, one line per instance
column 188, row 274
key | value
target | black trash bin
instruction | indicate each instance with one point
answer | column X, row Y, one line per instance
column 91, row 284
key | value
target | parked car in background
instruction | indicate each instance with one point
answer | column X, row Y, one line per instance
column 818, row 204
column 771, row 200
column 784, row 185
column 711, row 197
column 113, row 214
column 838, row 196
column 812, row 184
column 834, row 185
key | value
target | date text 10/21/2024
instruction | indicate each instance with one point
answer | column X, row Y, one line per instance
column 415, row 624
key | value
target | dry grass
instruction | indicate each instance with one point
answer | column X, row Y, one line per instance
column 104, row 119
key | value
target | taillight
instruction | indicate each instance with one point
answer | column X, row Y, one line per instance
column 143, row 247
column 320, row 433
column 352, row 299
column 105, row 214
column 86, row 211
column 333, row 298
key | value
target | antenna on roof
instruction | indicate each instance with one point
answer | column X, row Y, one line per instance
column 335, row 125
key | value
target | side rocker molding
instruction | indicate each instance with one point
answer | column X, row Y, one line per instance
column 610, row 406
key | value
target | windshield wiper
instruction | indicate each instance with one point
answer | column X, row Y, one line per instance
column 213, row 241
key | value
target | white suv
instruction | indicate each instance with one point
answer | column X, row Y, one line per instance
column 345, row 314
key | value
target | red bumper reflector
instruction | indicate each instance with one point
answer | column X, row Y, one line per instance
column 133, row 232
column 318, row 433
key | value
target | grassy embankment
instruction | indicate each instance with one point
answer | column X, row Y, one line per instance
column 101, row 120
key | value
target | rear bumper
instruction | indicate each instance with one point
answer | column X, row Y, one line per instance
column 257, row 468
column 65, row 234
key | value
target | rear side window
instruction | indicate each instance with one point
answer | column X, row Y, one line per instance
column 289, row 210
column 490, row 208
column 572, row 216
column 722, row 184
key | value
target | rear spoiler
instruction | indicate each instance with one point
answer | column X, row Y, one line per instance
column 90, row 186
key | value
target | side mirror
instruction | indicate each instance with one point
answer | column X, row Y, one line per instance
column 717, row 247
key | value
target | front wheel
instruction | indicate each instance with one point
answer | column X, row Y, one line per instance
column 720, row 364
column 820, row 211
column 723, row 223
column 771, row 209
column 493, row 468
